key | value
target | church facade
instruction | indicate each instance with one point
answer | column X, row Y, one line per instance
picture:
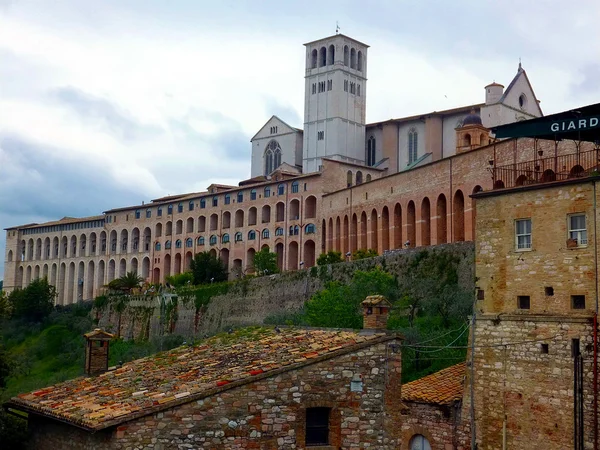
column 338, row 184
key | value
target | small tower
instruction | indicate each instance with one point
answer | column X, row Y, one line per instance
column 376, row 309
column 472, row 134
column 97, row 343
column 493, row 93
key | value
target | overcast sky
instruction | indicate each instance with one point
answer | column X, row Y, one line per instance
column 108, row 103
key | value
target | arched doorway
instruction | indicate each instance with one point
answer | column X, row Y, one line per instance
column 425, row 222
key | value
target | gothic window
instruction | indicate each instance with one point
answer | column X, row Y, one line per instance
column 189, row 242
column 371, row 152
column 251, row 235
column 419, row 442
column 346, row 56
column 322, row 57
column 412, row 145
column 320, row 135
column 213, row 240
column 295, row 187
column 265, row 234
column 279, row 231
column 157, row 246
column 359, row 179
column 225, row 239
column 178, row 243
column 331, row 55
column 167, row 245
column 272, row 157
column 353, row 59
column 310, row 228
column 201, row 240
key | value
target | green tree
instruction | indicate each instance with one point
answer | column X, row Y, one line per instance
column 207, row 268
column 330, row 257
column 119, row 295
column 265, row 262
column 35, row 302
column 362, row 254
column 180, row 279
column 4, row 306
column 338, row 306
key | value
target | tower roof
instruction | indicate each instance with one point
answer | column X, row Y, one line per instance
column 336, row 35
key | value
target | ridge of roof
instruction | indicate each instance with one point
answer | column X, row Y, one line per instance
column 458, row 109
column 440, row 388
column 64, row 220
column 188, row 373
column 274, row 116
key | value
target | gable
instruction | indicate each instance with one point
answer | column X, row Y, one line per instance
column 520, row 88
column 280, row 127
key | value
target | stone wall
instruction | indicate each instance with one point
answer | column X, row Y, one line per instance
column 266, row 414
column 516, row 379
column 249, row 302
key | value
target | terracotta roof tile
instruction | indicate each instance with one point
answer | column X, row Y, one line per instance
column 442, row 388
column 166, row 379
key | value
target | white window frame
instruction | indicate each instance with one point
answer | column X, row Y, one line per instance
column 576, row 233
column 517, row 235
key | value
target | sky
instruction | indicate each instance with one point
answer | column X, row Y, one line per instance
column 108, row 104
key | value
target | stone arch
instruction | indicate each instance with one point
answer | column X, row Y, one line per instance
column 20, row 277
column 70, row 284
column 156, row 275
column 214, row 222
column 147, row 239
column 93, row 244
column 279, row 252
column 201, row 224
column 363, row 244
column 359, row 177
column 46, row 252
column 331, row 55
column 330, row 235
column 346, row 235
column 188, row 261
column 338, row 234
column 53, row 274
column 252, row 216
column 133, row 266
column 548, row 175
column 226, row 220
column 45, row 271
column 425, row 222
column 100, row 275
column 294, row 212
column 521, row 180
column 458, row 213
column 80, row 282
column 354, row 233
column 310, row 207
column 265, row 214
column 10, row 255
column 250, row 260
column 89, row 285
column 349, row 178
column 279, row 212
column 122, row 267
column 323, row 236
column 293, row 256
column 224, row 256
column 313, row 58
column 359, row 61
column 177, row 267
column 398, row 226
column 169, row 228
column 309, row 253
column 124, row 244
column 576, row 171
column 167, row 265
column 353, row 58
column 385, row 228
column 111, row 270
column 145, row 268
column 411, row 224
column 135, row 240
column 36, row 272
column 239, row 218
column 346, row 55
column 441, row 220
column 179, row 227
column 158, row 230
column 499, row 184
column 62, row 284
column 73, row 246
column 322, row 57
column 38, row 249
column 189, row 225
column 374, row 241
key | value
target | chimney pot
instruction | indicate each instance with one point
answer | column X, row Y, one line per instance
column 376, row 310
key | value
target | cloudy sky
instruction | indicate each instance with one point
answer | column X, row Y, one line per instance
column 108, row 103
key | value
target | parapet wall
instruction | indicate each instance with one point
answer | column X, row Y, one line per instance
column 249, row 302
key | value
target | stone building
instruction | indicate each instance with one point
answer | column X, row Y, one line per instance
column 339, row 184
column 535, row 364
column 255, row 388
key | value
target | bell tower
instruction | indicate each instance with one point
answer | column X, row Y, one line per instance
column 334, row 101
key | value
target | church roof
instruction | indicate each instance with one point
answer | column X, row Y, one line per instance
column 441, row 388
column 188, row 373
column 63, row 221
column 520, row 72
column 337, row 35
column 283, row 122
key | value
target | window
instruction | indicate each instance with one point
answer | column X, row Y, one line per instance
column 281, row 189
column 314, row 88
column 272, row 157
column 167, row 245
column 137, row 214
column 358, row 90
column 274, row 130
column 267, row 192
column 544, row 349
column 317, row 426
column 253, row 194
column 320, row 135
column 156, row 247
column 180, row 208
column 251, row 235
column 522, row 101
column 523, row 302
column 279, row 231
column 212, row 240
column 345, row 85
column 577, row 229
column 225, row 238
column 238, row 237
column 170, row 209
column 419, row 442
column 310, row 229
column 578, row 301
column 178, row 243
column 202, row 203
column 189, row 242
column 201, row 240
column 265, row 234
column 329, row 85
column 371, row 151
column 240, row 197
column 523, row 234
column 148, row 213
column 228, row 199
column 215, row 201
column 549, row 291
column 412, row 145
column 191, row 206
column 295, row 186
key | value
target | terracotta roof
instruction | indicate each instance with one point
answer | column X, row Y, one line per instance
column 374, row 300
column 187, row 373
column 63, row 221
column 442, row 388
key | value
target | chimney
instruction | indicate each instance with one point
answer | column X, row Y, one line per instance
column 376, row 309
column 96, row 351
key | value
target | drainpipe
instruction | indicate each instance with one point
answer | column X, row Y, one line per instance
column 595, row 368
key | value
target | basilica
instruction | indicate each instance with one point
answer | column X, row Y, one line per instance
column 339, row 183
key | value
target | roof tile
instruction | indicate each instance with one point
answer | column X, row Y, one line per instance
column 442, row 388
